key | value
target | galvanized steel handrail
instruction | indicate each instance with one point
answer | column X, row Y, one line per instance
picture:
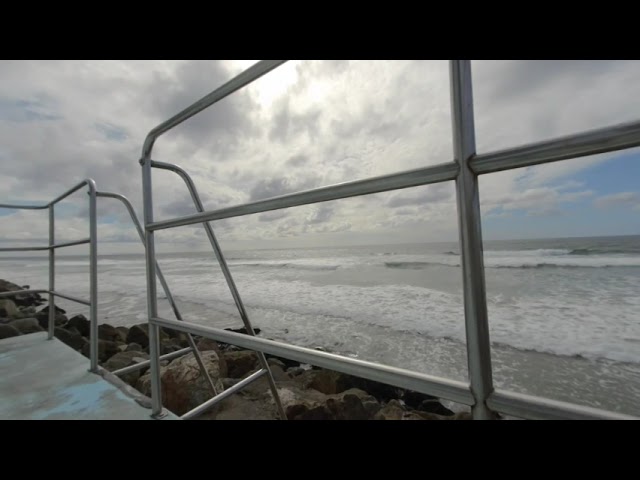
column 227, row 276
column 252, row 73
column 192, row 344
column 93, row 264
column 467, row 165
column 419, row 382
column 411, row 178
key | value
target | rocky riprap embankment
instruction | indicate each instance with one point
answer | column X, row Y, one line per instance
column 307, row 393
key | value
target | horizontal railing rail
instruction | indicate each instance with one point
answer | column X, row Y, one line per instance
column 412, row 178
column 538, row 408
column 439, row 387
column 603, row 140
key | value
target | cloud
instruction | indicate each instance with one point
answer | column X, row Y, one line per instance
column 622, row 199
column 305, row 125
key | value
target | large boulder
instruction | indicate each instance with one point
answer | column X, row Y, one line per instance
column 27, row 325
column 126, row 359
column 353, row 404
column 140, row 334
column 8, row 308
column 134, row 347
column 183, row 385
column 58, row 309
column 169, row 345
column 21, row 299
column 123, row 332
column 108, row 332
column 424, row 403
column 43, row 318
column 240, row 363
column 81, row 323
column 331, row 382
column 394, row 410
column 7, row 331
column 106, row 350
column 71, row 338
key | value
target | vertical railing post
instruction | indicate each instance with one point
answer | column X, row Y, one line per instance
column 93, row 278
column 152, row 300
column 470, row 231
column 52, row 272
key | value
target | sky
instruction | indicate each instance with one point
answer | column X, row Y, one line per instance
column 309, row 124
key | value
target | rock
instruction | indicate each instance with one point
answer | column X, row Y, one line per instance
column 331, row 382
column 205, row 344
column 134, row 347
column 243, row 330
column 393, row 410
column 58, row 310
column 287, row 363
column 122, row 333
column 43, row 319
column 353, row 404
column 275, row 361
column 240, row 363
column 21, row 299
column 75, row 341
column 140, row 334
column 237, row 407
column 167, row 345
column 229, row 382
column 4, row 320
column 183, row 386
column 7, row 331
column 28, row 311
column 81, row 323
column 106, row 350
column 72, row 330
column 295, row 371
column 279, row 374
column 143, row 385
column 434, row 406
column 27, row 325
column 126, row 359
column 108, row 332
column 462, row 416
column 413, row 399
column 8, row 308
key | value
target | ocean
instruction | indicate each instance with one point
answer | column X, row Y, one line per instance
column 564, row 314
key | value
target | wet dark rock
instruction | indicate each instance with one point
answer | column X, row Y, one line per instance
column 134, row 347
column 106, row 350
column 240, row 363
column 26, row 325
column 81, row 323
column 74, row 340
column 8, row 331
column 108, row 332
column 43, row 319
column 126, row 359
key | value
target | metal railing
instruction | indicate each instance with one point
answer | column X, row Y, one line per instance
column 92, row 303
column 464, row 169
column 192, row 345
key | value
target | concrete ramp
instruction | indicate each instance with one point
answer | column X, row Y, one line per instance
column 44, row 379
